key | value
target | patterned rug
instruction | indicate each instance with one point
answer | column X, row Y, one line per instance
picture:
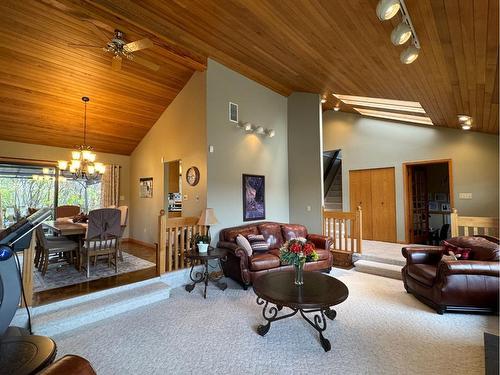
column 66, row 274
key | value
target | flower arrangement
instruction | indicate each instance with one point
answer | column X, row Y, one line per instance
column 298, row 251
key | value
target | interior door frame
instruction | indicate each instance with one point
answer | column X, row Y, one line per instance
column 407, row 186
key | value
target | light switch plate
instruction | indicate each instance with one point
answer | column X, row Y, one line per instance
column 211, row 149
column 308, row 208
column 464, row 195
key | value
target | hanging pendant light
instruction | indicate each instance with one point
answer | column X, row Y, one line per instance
column 82, row 164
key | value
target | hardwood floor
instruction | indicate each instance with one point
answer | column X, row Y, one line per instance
column 147, row 253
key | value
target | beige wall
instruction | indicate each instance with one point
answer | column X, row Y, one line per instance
column 304, row 160
column 236, row 152
column 372, row 143
column 180, row 133
column 39, row 152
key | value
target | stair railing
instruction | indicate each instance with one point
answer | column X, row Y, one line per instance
column 473, row 225
column 345, row 229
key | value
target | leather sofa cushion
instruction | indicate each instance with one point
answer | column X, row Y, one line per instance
column 272, row 234
column 263, row 261
column 425, row 273
column 291, row 231
column 231, row 233
column 482, row 249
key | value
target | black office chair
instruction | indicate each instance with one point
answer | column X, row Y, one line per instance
column 440, row 234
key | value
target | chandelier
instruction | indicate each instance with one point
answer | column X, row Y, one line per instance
column 83, row 165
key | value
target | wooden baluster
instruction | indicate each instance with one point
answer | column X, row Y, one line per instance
column 475, row 231
column 170, row 251
column 454, row 222
column 183, row 246
column 162, row 242
column 334, row 221
column 346, row 240
column 176, row 248
column 486, row 231
column 466, row 231
column 352, row 234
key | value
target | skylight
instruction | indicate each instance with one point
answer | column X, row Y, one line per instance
column 400, row 110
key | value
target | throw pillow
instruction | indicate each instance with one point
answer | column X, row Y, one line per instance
column 461, row 253
column 244, row 244
column 258, row 243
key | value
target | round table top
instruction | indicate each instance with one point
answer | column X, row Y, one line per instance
column 213, row 253
column 318, row 291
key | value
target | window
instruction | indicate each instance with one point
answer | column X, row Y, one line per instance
column 72, row 192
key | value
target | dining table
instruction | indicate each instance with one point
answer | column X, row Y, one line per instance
column 66, row 227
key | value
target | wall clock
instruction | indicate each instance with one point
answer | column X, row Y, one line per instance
column 193, row 176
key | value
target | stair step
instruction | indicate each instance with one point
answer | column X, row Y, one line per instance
column 66, row 315
column 377, row 268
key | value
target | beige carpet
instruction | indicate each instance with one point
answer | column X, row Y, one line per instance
column 379, row 329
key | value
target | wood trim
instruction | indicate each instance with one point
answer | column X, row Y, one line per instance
column 407, row 189
column 22, row 161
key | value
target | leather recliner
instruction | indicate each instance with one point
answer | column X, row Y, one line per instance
column 455, row 285
column 245, row 269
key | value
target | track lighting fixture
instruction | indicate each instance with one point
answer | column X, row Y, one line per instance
column 401, row 34
column 386, row 9
column 257, row 129
column 465, row 121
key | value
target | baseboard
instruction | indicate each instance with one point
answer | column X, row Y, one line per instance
column 142, row 243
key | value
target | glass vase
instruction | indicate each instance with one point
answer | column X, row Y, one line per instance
column 299, row 273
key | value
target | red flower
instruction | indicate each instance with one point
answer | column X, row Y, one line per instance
column 308, row 248
column 295, row 248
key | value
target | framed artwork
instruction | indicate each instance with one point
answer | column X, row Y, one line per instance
column 445, row 207
column 254, row 205
column 233, row 112
column 441, row 197
column 146, row 187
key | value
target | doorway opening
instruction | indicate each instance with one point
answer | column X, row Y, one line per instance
column 428, row 201
column 172, row 188
column 332, row 180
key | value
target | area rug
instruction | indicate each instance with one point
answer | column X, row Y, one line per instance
column 67, row 274
column 379, row 329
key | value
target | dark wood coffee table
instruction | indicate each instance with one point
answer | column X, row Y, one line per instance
column 316, row 296
column 198, row 277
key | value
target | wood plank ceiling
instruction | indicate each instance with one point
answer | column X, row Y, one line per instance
column 320, row 46
column 42, row 80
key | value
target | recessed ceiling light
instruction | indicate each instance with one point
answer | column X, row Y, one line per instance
column 386, row 9
column 395, row 116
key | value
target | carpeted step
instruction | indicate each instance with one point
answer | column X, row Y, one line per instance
column 379, row 259
column 73, row 313
column 377, row 268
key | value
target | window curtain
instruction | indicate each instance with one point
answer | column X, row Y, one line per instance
column 110, row 186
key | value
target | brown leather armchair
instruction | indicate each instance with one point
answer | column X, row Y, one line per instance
column 454, row 285
column 69, row 364
column 245, row 269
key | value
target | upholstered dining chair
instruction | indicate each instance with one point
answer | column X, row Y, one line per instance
column 102, row 237
column 46, row 248
column 67, row 211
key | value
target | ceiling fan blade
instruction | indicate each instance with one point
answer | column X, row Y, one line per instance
column 73, row 45
column 98, row 32
column 138, row 45
column 148, row 64
column 116, row 63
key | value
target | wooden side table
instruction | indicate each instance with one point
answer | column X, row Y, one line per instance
column 204, row 276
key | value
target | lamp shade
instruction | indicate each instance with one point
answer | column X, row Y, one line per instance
column 208, row 217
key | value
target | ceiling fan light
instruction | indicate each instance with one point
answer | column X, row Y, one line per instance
column 386, row 9
column 401, row 34
column 409, row 55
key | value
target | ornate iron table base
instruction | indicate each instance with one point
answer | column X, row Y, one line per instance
column 204, row 276
column 270, row 314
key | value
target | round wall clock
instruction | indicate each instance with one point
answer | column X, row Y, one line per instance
column 193, row 176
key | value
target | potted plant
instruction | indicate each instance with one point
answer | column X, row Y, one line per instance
column 202, row 241
column 297, row 252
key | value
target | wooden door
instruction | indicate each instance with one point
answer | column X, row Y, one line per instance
column 383, row 193
column 374, row 191
column 360, row 195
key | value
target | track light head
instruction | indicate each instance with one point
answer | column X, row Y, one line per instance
column 259, row 130
column 247, row 127
column 386, row 9
column 401, row 34
column 409, row 55
column 271, row 133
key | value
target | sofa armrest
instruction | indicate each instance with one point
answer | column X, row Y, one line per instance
column 468, row 267
column 319, row 241
column 423, row 255
column 233, row 248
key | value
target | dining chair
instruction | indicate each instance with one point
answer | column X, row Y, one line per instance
column 45, row 248
column 123, row 226
column 67, row 211
column 102, row 237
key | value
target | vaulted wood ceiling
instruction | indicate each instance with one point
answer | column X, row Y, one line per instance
column 318, row 46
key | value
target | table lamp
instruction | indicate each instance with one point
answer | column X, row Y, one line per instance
column 208, row 218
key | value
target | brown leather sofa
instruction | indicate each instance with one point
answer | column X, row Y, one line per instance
column 245, row 269
column 455, row 285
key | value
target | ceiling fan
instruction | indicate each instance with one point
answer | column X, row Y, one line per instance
column 120, row 48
